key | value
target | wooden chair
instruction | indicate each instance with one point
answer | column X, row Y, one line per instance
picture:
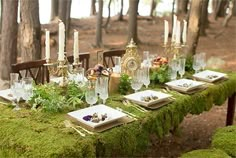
column 84, row 59
column 34, row 69
column 108, row 56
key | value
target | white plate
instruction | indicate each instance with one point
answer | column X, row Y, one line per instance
column 209, row 76
column 6, row 94
column 137, row 97
column 112, row 115
column 184, row 84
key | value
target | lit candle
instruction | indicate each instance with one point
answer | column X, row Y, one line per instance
column 166, row 32
column 76, row 45
column 177, row 40
column 184, row 36
column 61, row 41
column 47, row 45
column 174, row 28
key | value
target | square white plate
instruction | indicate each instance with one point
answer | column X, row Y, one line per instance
column 6, row 94
column 184, row 84
column 112, row 115
column 209, row 76
column 137, row 97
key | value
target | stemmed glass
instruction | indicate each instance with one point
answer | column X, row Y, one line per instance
column 196, row 63
column 146, row 59
column 173, row 68
column 90, row 94
column 182, row 67
column 13, row 77
column 17, row 92
column 136, row 82
column 27, row 84
column 202, row 57
column 117, row 68
column 80, row 76
column 146, row 77
column 104, row 89
column 172, row 72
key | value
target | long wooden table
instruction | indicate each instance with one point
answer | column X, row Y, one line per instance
column 30, row 133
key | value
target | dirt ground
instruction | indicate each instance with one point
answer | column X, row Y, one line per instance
column 220, row 45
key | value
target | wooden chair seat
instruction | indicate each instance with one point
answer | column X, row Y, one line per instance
column 108, row 56
column 34, row 69
column 84, row 59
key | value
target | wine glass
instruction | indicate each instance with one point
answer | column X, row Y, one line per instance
column 17, row 92
column 146, row 59
column 13, row 77
column 27, row 83
column 117, row 68
column 80, row 76
column 196, row 63
column 104, row 89
column 136, row 81
column 202, row 57
column 172, row 73
column 182, row 67
column 146, row 77
column 90, row 94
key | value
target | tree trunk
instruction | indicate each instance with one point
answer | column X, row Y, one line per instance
column 194, row 27
column 153, row 7
column 109, row 16
column 8, row 53
column 132, row 23
column 234, row 8
column 54, row 9
column 93, row 8
column 99, row 24
column 182, row 6
column 30, row 36
column 1, row 15
column 219, row 8
column 230, row 14
column 204, row 18
column 64, row 8
column 120, row 17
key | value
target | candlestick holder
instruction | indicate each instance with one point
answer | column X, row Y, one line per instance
column 173, row 48
column 63, row 68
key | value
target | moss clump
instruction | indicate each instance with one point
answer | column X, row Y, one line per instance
column 206, row 153
column 225, row 139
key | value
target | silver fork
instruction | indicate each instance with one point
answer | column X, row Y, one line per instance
column 128, row 113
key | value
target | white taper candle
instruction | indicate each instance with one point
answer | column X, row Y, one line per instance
column 61, row 41
column 178, row 28
column 47, row 45
column 166, row 26
column 184, row 36
column 174, row 28
column 76, row 44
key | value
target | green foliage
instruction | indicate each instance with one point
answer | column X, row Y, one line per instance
column 206, row 153
column 225, row 139
column 189, row 64
column 125, row 84
column 159, row 75
column 52, row 98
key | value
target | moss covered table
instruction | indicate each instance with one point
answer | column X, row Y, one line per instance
column 28, row 133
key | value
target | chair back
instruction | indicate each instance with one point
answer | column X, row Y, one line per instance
column 108, row 56
column 34, row 69
column 83, row 58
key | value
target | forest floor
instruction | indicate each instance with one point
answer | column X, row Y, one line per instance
column 195, row 131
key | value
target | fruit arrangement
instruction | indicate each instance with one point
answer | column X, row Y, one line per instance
column 96, row 71
column 159, row 61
